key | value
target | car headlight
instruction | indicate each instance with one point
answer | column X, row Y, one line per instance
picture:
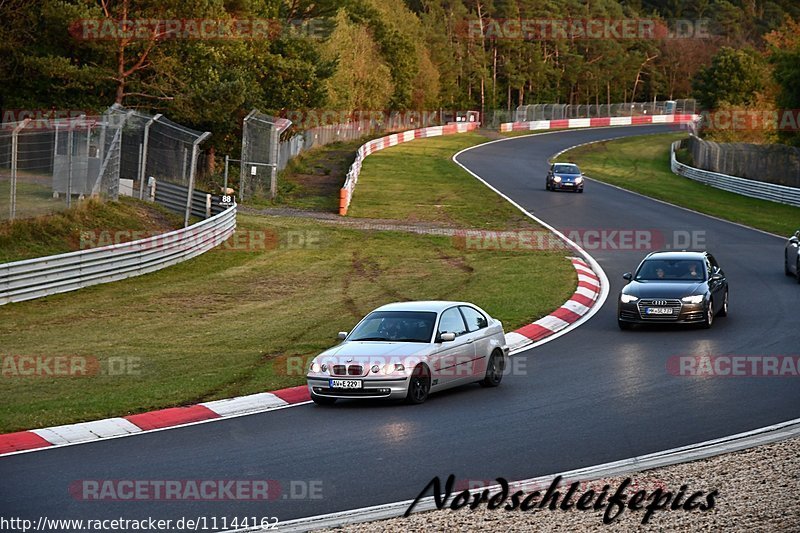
column 696, row 299
column 391, row 368
column 627, row 298
column 314, row 367
column 557, row 179
column 579, row 179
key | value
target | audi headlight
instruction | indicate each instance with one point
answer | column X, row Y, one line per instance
column 627, row 298
column 696, row 299
column 557, row 179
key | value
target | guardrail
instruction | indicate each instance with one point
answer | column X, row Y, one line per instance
column 346, row 192
column 43, row 276
column 173, row 197
column 743, row 186
column 596, row 122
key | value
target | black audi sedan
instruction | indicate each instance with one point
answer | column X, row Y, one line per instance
column 564, row 177
column 674, row 287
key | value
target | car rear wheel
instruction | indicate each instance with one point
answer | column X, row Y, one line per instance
column 724, row 310
column 709, row 319
column 419, row 385
column 322, row 400
column 494, row 370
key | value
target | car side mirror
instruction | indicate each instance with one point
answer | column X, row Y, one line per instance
column 341, row 335
column 627, row 276
column 447, row 337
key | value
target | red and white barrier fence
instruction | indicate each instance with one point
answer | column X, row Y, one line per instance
column 596, row 122
column 346, row 192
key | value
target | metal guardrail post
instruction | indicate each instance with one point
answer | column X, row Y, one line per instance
column 145, row 140
column 14, row 148
column 192, row 171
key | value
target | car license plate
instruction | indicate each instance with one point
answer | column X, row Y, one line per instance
column 344, row 383
column 658, row 310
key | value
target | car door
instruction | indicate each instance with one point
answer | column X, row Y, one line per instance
column 478, row 333
column 453, row 360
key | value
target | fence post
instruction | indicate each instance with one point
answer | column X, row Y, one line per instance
column 70, row 140
column 14, row 159
column 143, row 166
column 192, row 170
column 225, row 181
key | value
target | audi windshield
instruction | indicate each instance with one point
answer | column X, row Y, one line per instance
column 671, row 270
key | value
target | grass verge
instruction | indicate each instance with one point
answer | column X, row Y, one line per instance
column 641, row 164
column 418, row 182
column 247, row 316
column 61, row 232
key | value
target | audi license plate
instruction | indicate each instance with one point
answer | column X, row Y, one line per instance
column 658, row 310
column 344, row 383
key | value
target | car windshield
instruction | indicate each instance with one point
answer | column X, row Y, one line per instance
column 671, row 270
column 395, row 326
column 566, row 169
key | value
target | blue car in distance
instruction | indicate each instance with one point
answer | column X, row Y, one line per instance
column 564, row 177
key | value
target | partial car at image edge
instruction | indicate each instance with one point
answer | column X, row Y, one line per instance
column 791, row 256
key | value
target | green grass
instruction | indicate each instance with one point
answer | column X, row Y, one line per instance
column 418, row 182
column 641, row 164
column 60, row 232
column 238, row 321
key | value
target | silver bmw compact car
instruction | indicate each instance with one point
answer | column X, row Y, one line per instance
column 407, row 350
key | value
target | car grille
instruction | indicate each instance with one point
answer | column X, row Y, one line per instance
column 347, row 370
column 675, row 305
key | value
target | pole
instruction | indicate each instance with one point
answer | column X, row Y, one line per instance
column 193, row 169
column 70, row 140
column 225, row 182
column 145, row 140
column 273, row 174
column 14, row 158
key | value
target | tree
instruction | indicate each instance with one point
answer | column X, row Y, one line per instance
column 734, row 77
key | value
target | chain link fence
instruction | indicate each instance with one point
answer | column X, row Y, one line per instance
column 268, row 143
column 47, row 164
column 532, row 112
column 771, row 163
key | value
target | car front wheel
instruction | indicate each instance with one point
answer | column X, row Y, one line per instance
column 494, row 370
column 724, row 310
column 709, row 319
column 419, row 385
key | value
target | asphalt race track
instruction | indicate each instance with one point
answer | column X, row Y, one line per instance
column 594, row 395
